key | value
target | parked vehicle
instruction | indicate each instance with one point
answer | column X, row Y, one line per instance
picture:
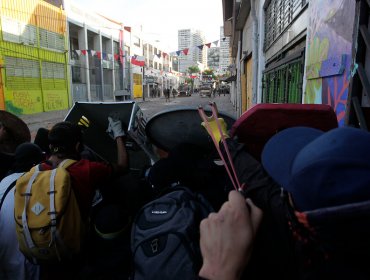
column 205, row 90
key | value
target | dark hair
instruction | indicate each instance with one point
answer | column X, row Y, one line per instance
column 26, row 156
column 63, row 138
column 41, row 139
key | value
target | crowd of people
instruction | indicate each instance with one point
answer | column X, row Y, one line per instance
column 303, row 212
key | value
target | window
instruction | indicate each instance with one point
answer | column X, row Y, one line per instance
column 115, row 47
column 19, row 67
column 17, row 32
column 22, row 74
column 136, row 41
column 278, row 16
column 284, row 84
column 76, row 74
column 51, row 40
column 51, row 70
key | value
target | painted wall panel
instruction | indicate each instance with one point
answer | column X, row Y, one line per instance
column 23, row 101
column 29, row 90
column 138, row 87
column 249, row 83
column 2, row 99
column 243, row 87
column 329, row 37
column 55, row 100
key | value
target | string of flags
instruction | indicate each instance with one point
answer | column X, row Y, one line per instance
column 98, row 54
column 186, row 50
column 139, row 60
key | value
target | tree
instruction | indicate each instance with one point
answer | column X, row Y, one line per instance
column 210, row 73
column 193, row 69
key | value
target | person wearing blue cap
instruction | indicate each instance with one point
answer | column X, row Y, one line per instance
column 321, row 211
column 327, row 177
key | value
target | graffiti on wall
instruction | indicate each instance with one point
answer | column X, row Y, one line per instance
column 21, row 102
column 329, row 53
column 55, row 100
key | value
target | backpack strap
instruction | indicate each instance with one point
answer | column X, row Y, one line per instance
column 8, row 189
column 53, row 213
column 27, row 194
column 53, row 216
column 66, row 163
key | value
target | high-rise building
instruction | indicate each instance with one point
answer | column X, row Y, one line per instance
column 225, row 58
column 190, row 39
column 213, row 59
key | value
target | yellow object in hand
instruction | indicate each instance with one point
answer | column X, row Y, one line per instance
column 212, row 126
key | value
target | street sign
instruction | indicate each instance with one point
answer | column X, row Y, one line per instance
column 149, row 80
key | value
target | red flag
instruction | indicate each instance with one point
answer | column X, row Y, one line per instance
column 83, row 52
column 138, row 60
column 127, row 28
column 208, row 45
column 185, row 51
column 98, row 54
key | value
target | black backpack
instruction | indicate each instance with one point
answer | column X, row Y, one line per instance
column 165, row 236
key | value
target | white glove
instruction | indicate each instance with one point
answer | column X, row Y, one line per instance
column 115, row 128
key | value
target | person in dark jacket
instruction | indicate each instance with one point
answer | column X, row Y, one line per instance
column 319, row 212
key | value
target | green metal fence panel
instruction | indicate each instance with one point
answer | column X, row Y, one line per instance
column 284, row 84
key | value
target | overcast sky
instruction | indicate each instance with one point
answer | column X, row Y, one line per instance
column 162, row 18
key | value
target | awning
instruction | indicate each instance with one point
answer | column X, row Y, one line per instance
column 230, row 79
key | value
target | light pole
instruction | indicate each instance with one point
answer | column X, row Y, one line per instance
column 143, row 82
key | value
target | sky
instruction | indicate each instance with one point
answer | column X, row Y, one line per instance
column 161, row 19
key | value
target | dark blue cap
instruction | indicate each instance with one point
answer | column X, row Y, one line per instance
column 320, row 169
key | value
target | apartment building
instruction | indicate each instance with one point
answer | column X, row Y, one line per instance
column 193, row 40
column 225, row 58
column 213, row 59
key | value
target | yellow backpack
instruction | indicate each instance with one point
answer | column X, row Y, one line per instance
column 48, row 220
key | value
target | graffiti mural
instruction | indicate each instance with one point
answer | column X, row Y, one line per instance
column 329, row 42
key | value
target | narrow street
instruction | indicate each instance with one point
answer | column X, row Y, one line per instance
column 150, row 107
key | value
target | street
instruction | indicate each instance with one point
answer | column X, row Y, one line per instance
column 150, row 107
column 155, row 105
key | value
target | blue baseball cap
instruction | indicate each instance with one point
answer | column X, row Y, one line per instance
column 320, row 169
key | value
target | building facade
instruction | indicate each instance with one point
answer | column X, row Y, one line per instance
column 292, row 51
column 98, row 56
column 33, row 60
column 159, row 72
